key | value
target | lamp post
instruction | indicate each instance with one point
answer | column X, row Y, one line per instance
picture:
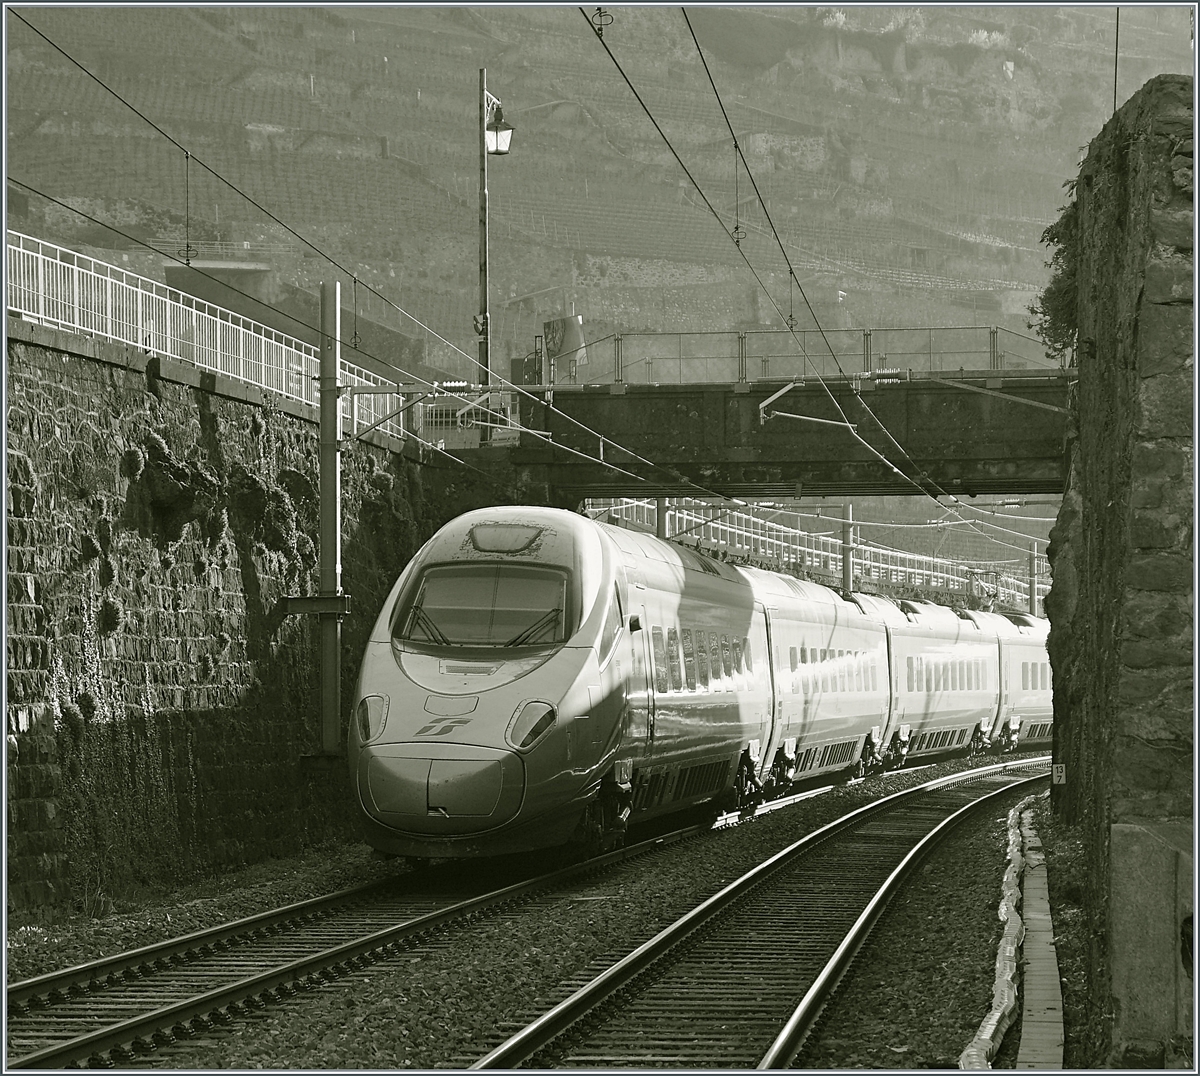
column 494, row 137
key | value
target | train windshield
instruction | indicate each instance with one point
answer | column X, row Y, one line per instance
column 486, row 605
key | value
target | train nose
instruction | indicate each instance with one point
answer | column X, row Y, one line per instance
column 440, row 789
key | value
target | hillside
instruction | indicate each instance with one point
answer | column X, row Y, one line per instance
column 910, row 158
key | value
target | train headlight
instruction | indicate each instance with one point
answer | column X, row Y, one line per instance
column 371, row 716
column 532, row 722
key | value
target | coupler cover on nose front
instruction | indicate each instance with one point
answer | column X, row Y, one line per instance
column 440, row 789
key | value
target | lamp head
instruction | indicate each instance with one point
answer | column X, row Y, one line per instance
column 497, row 134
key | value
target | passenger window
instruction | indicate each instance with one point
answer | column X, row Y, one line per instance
column 874, row 675
column 962, row 675
column 937, row 676
column 714, row 656
column 737, row 657
column 1024, row 675
column 929, row 675
column 726, row 659
column 858, row 672
column 689, row 659
column 661, row 683
column 746, row 655
column 954, row 676
column 701, row 661
column 792, row 658
column 1045, row 676
column 673, row 659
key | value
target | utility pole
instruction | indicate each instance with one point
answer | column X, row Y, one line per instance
column 848, row 547
column 330, row 604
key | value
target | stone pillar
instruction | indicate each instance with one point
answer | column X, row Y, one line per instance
column 1121, row 636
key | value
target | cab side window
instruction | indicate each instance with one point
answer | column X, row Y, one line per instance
column 612, row 628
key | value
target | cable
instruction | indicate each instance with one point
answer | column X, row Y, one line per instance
column 792, row 277
column 675, row 475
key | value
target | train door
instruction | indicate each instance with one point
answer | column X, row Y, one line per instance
column 765, row 653
column 641, row 683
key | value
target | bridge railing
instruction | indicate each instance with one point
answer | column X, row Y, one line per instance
column 775, row 354
column 54, row 286
column 744, row 534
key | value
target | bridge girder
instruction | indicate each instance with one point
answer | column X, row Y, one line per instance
column 1006, row 437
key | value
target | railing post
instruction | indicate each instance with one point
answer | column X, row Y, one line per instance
column 741, row 356
column 866, row 351
column 993, row 348
column 618, row 368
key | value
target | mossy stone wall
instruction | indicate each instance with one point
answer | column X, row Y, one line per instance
column 159, row 701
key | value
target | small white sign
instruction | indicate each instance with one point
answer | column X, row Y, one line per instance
column 1058, row 774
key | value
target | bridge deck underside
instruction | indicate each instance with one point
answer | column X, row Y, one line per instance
column 941, row 438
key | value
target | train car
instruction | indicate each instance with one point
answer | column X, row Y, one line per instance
column 536, row 678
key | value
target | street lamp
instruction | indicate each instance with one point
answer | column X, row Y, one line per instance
column 494, row 137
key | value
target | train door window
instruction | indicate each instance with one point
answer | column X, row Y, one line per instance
column 689, row 659
column 673, row 659
column 661, row 683
column 726, row 658
column 911, row 674
column 701, row 661
column 1024, row 675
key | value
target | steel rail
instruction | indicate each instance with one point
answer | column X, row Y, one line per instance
column 536, row 1035
column 92, row 975
column 791, row 1038
column 220, row 1004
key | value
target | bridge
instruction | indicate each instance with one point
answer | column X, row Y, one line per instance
column 964, row 432
column 963, row 410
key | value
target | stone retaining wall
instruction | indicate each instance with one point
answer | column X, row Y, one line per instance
column 158, row 700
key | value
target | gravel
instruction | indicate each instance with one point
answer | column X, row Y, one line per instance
column 434, row 1006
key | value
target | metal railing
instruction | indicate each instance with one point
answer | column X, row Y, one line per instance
column 743, row 534
column 54, row 286
column 776, row 354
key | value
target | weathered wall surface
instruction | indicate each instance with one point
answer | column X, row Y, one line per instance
column 158, row 700
column 1121, row 607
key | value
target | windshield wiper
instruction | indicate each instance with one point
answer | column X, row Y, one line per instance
column 436, row 635
column 536, row 628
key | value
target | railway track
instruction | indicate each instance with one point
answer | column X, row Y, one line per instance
column 115, row 1009
column 739, row 981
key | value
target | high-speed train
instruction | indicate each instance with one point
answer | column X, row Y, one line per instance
column 537, row 678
